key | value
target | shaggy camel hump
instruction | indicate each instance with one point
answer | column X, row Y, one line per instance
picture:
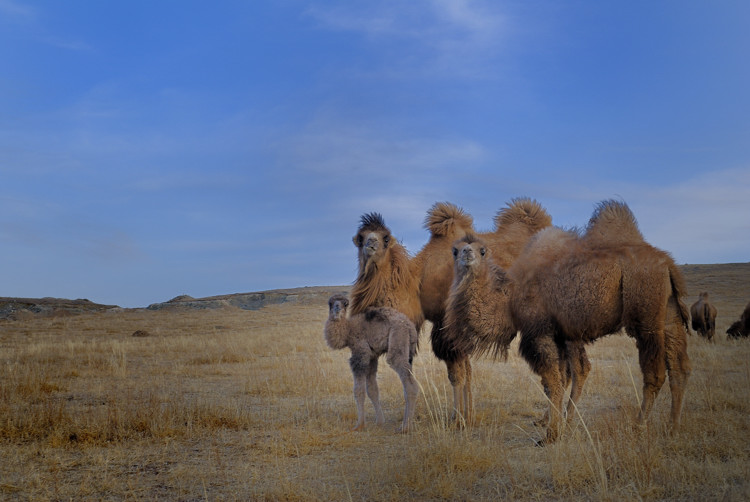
column 444, row 218
column 613, row 224
column 525, row 211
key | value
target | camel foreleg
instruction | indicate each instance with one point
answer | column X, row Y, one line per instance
column 457, row 377
column 579, row 365
column 373, row 392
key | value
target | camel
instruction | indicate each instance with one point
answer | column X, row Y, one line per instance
column 370, row 334
column 386, row 277
column 572, row 287
column 741, row 328
column 703, row 315
column 383, row 269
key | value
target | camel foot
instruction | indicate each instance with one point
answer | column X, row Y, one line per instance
column 358, row 428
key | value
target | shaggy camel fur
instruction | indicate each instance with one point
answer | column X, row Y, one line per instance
column 369, row 335
column 703, row 315
column 514, row 226
column 741, row 328
column 419, row 287
column 569, row 287
column 386, row 277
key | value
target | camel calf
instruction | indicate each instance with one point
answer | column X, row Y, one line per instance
column 370, row 334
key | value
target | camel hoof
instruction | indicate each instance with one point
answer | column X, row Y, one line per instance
column 358, row 428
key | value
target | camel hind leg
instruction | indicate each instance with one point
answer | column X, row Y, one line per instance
column 411, row 392
column 678, row 363
column 651, row 356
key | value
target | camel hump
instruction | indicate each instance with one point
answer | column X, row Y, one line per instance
column 372, row 221
column 525, row 211
column 443, row 218
column 613, row 223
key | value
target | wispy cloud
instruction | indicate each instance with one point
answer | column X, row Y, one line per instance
column 16, row 10
column 444, row 37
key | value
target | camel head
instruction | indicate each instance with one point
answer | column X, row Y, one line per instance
column 469, row 256
column 372, row 239
column 337, row 305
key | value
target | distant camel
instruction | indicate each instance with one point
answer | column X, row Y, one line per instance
column 741, row 328
column 419, row 287
column 570, row 287
column 369, row 335
column 703, row 315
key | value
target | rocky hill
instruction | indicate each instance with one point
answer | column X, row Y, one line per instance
column 19, row 308
column 253, row 301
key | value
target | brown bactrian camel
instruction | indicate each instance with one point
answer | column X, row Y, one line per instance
column 570, row 287
column 383, row 265
column 374, row 332
column 741, row 328
column 703, row 316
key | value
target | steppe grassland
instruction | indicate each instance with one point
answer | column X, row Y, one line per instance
column 231, row 404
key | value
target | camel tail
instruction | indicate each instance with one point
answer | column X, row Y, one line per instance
column 679, row 289
column 525, row 211
column 444, row 217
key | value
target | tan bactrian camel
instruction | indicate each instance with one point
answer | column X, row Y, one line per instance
column 370, row 334
column 419, row 287
column 703, row 317
column 570, row 287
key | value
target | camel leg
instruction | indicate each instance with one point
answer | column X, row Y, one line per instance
column 678, row 363
column 372, row 390
column 360, row 384
column 411, row 392
column 468, row 399
column 579, row 370
column 457, row 377
column 400, row 361
column 652, row 359
column 552, row 383
column 566, row 373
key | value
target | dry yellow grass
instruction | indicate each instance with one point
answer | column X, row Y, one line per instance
column 251, row 405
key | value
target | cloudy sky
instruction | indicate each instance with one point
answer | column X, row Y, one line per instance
column 151, row 149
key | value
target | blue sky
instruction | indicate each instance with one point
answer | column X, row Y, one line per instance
column 151, row 149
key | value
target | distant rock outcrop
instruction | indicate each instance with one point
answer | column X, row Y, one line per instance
column 253, row 301
column 26, row 308
column 19, row 308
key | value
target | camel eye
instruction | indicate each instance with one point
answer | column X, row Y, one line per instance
column 455, row 252
column 386, row 239
column 482, row 251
